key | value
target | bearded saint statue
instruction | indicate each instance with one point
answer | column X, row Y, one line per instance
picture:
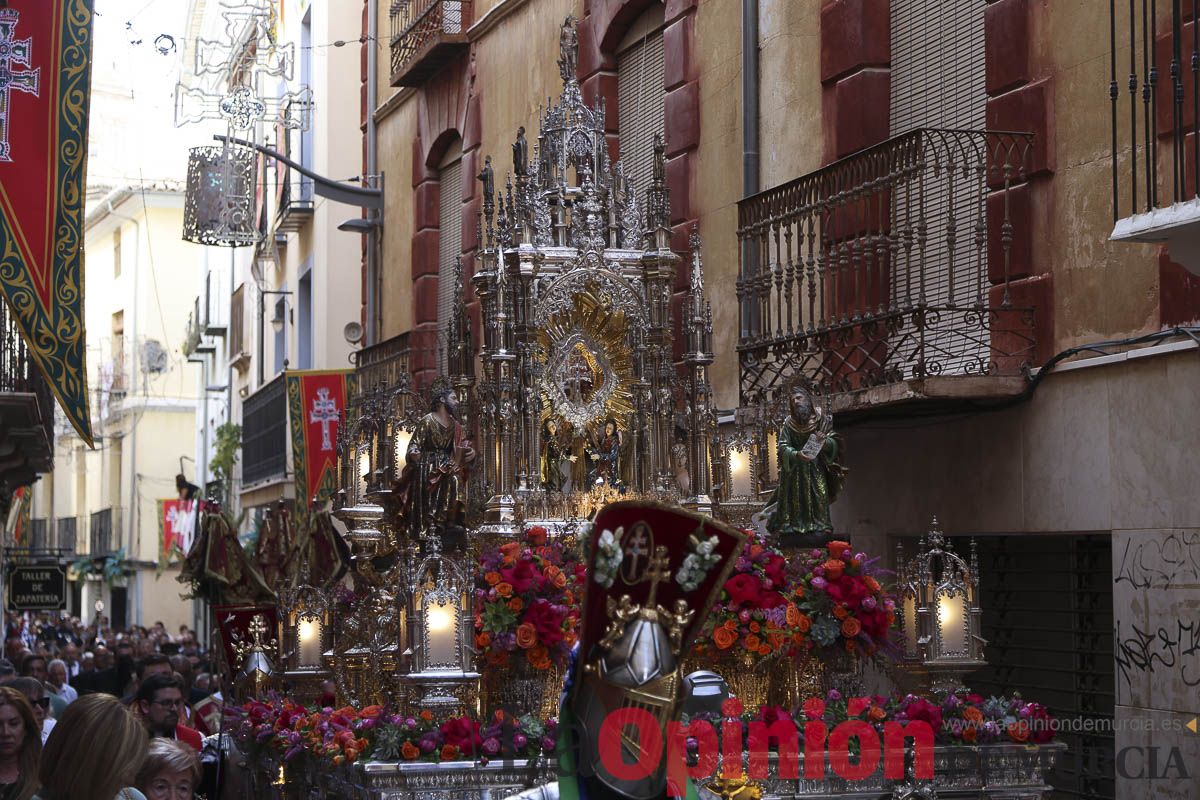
column 438, row 458
column 810, row 476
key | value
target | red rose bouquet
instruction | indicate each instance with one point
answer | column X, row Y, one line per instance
column 757, row 614
column 844, row 604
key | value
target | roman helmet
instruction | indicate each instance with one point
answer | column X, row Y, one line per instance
column 655, row 571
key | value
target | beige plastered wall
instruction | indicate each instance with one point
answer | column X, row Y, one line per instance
column 1102, row 290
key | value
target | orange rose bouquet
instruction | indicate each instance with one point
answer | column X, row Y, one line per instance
column 527, row 597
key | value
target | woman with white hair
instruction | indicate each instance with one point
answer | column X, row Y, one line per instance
column 57, row 678
column 171, row 771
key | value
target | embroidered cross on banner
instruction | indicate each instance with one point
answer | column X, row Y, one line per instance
column 324, row 411
column 14, row 53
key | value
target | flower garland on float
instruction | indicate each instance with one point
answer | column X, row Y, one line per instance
column 961, row 719
column 279, row 727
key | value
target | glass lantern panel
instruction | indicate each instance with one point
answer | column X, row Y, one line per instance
column 308, row 637
column 403, row 437
column 364, row 470
column 739, row 473
column 772, row 457
column 441, row 630
column 908, row 617
column 952, row 623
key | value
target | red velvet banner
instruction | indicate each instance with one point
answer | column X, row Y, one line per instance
column 316, row 405
column 45, row 58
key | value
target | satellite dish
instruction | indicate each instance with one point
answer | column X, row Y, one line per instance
column 353, row 332
column 154, row 357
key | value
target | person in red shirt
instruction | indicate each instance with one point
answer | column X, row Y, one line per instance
column 159, row 704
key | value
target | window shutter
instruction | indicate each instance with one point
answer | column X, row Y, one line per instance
column 641, row 99
column 937, row 77
column 938, row 81
column 449, row 247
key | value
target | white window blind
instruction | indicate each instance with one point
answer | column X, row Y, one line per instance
column 449, row 245
column 641, row 95
column 938, row 81
column 937, row 77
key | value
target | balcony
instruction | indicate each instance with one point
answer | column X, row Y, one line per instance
column 239, row 357
column 37, row 534
column 66, row 538
column 1155, row 148
column 104, row 532
column 294, row 192
column 383, row 364
column 209, row 317
column 426, row 34
column 26, row 411
column 884, row 277
column 264, row 434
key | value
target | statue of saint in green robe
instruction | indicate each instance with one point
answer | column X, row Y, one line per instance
column 810, row 476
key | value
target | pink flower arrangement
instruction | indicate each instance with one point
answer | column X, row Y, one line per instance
column 840, row 593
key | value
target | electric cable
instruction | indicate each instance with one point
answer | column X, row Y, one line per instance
column 1034, row 381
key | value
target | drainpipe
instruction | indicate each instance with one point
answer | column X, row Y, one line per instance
column 137, row 259
column 373, row 270
column 750, row 161
column 751, row 183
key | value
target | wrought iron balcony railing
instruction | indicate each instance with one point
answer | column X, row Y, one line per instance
column 888, row 265
column 296, row 206
column 66, row 537
column 425, row 35
column 385, row 364
column 26, row 410
column 264, row 433
column 1154, row 109
column 104, row 532
column 294, row 199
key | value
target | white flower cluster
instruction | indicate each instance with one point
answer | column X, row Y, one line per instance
column 697, row 564
column 609, row 559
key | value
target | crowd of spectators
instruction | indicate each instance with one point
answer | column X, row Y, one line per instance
column 89, row 713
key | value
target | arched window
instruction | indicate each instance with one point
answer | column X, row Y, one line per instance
column 641, row 93
column 449, row 237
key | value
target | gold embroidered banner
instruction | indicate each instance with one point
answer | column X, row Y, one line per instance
column 45, row 62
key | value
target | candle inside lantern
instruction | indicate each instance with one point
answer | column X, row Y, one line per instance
column 908, row 618
column 364, row 469
column 772, row 458
column 952, row 613
column 739, row 473
column 441, row 627
column 403, row 437
column 308, row 635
